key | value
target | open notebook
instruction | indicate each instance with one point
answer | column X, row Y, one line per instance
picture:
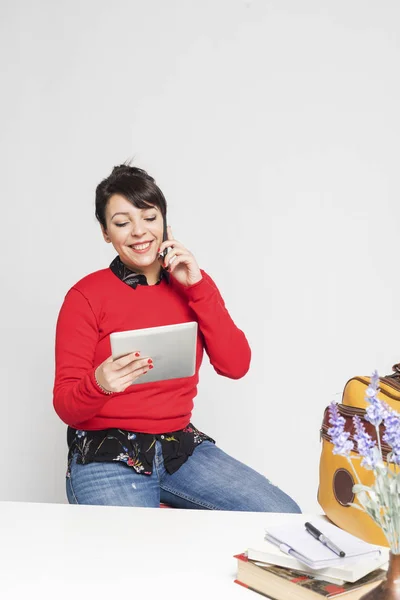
column 293, row 539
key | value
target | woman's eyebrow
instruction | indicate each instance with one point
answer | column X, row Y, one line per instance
column 119, row 213
column 127, row 213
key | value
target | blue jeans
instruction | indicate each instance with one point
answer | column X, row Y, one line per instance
column 209, row 479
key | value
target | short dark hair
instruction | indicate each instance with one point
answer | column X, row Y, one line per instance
column 134, row 184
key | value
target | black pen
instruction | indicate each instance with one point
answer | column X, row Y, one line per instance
column 318, row 535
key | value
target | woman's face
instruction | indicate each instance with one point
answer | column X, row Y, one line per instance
column 135, row 233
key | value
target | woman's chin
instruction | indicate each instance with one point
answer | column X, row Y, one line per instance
column 145, row 261
column 140, row 262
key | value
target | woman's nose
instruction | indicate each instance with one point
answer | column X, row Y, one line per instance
column 138, row 229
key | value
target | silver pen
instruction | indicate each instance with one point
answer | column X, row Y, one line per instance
column 318, row 535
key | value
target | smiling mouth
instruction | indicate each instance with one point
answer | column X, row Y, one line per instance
column 141, row 247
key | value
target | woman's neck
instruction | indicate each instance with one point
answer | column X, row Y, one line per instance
column 152, row 272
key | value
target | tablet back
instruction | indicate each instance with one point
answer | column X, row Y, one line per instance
column 172, row 348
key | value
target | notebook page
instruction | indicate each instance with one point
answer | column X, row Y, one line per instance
column 296, row 536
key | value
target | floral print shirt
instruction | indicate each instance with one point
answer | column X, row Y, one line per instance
column 133, row 448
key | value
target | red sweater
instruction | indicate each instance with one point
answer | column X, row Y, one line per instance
column 100, row 304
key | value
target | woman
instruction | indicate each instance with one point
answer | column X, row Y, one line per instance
column 135, row 445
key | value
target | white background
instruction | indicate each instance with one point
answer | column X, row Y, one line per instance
column 272, row 126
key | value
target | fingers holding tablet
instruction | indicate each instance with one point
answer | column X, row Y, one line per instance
column 117, row 375
column 141, row 367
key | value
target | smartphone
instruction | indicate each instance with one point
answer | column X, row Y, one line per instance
column 165, row 237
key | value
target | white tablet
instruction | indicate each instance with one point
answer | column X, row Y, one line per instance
column 172, row 348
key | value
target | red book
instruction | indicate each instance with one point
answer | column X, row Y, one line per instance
column 280, row 583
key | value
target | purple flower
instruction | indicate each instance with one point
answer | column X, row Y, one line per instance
column 340, row 437
column 336, row 420
column 374, row 383
column 365, row 445
column 376, row 410
column 392, row 434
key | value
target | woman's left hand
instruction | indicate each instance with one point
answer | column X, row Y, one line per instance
column 180, row 262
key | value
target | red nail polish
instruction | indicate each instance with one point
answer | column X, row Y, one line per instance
column 149, row 361
column 137, row 354
column 150, row 366
column 159, row 250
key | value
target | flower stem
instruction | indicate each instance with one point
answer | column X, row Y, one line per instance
column 378, row 437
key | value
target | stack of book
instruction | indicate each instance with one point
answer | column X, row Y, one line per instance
column 290, row 564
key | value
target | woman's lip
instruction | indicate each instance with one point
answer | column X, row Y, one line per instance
column 144, row 250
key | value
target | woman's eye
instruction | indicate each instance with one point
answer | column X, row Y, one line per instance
column 121, row 224
column 151, row 219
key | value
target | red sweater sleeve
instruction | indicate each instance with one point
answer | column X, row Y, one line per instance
column 76, row 396
column 226, row 345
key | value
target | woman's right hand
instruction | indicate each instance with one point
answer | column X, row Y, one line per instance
column 117, row 375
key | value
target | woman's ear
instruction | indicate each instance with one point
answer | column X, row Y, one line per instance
column 105, row 235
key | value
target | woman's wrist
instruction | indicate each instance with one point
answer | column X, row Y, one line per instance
column 195, row 280
column 103, row 389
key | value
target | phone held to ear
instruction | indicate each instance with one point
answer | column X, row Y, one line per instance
column 164, row 253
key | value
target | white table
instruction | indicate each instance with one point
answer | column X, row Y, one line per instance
column 58, row 551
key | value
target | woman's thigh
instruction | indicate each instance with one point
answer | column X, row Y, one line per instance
column 212, row 479
column 111, row 484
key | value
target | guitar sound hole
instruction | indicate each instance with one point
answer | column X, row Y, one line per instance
column 343, row 487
